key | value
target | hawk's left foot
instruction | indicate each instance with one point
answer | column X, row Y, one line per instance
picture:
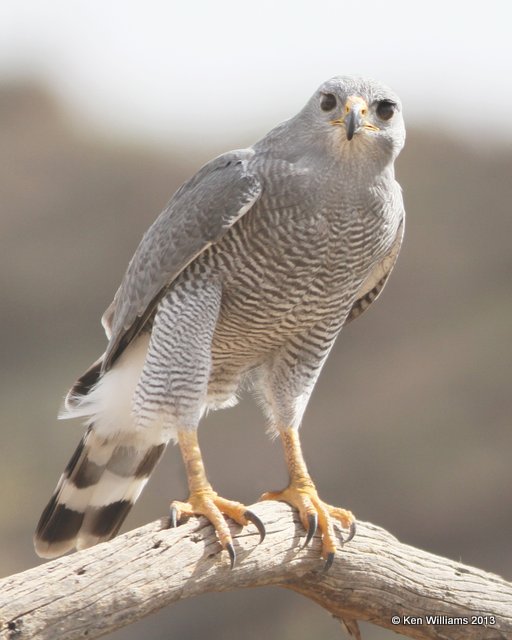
column 316, row 514
column 301, row 493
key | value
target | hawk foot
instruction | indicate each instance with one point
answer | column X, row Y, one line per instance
column 209, row 504
column 316, row 514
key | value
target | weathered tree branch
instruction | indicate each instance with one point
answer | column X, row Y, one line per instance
column 373, row 578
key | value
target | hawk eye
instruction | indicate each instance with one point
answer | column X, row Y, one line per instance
column 328, row 102
column 386, row 109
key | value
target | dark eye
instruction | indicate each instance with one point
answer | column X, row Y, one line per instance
column 328, row 102
column 386, row 109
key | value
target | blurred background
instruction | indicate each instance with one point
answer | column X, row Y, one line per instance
column 105, row 108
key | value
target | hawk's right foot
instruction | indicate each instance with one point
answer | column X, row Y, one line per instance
column 203, row 500
column 208, row 503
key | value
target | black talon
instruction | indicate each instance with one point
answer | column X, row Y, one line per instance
column 173, row 517
column 232, row 555
column 351, row 532
column 252, row 517
column 329, row 561
column 312, row 527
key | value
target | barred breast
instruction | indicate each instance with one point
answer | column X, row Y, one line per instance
column 285, row 270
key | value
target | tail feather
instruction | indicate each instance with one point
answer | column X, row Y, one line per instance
column 110, row 466
column 95, row 493
column 57, row 529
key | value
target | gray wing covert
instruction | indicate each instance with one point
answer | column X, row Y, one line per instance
column 198, row 215
column 374, row 283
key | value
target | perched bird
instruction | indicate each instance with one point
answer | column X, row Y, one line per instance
column 250, row 273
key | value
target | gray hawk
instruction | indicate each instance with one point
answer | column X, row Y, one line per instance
column 249, row 274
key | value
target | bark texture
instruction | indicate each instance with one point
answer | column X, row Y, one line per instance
column 374, row 578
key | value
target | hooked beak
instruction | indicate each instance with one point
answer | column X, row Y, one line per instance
column 354, row 119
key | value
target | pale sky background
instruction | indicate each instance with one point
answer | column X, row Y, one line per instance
column 203, row 72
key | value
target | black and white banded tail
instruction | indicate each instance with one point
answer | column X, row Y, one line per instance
column 110, row 466
column 95, row 493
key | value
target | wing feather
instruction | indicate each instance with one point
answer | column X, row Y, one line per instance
column 374, row 283
column 198, row 215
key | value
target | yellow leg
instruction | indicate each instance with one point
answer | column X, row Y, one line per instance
column 302, row 494
column 203, row 500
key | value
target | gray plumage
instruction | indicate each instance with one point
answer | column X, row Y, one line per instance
column 249, row 273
